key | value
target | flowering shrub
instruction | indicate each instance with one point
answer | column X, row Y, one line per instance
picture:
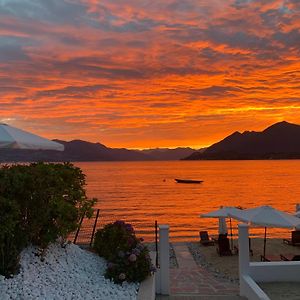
column 128, row 258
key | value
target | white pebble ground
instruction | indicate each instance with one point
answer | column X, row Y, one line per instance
column 67, row 273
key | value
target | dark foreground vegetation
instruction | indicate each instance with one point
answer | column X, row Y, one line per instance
column 128, row 258
column 39, row 203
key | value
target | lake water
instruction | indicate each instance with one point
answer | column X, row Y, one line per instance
column 142, row 192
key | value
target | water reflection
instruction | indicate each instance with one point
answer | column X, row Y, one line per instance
column 142, row 192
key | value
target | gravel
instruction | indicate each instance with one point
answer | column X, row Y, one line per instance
column 173, row 260
column 201, row 260
column 281, row 290
column 66, row 273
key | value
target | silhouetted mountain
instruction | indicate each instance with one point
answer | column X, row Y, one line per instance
column 279, row 141
column 168, row 154
column 75, row 150
column 78, row 150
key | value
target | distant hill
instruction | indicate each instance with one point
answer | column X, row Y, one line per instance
column 78, row 150
column 168, row 154
column 279, row 141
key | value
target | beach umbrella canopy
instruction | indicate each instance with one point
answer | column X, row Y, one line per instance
column 222, row 213
column 266, row 216
column 14, row 138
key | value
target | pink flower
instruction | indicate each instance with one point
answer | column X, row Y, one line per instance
column 130, row 241
column 129, row 227
column 110, row 265
column 132, row 257
column 122, row 276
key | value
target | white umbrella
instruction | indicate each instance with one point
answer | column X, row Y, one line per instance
column 222, row 213
column 14, row 138
column 266, row 216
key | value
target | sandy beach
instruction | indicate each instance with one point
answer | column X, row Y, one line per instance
column 228, row 265
column 282, row 290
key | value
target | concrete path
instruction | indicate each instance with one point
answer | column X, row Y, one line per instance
column 190, row 281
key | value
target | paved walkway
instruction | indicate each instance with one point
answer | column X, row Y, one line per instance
column 190, row 281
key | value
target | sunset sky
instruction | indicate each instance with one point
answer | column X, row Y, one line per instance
column 141, row 73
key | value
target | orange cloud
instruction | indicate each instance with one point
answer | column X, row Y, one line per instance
column 147, row 74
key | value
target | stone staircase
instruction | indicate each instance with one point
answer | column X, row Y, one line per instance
column 191, row 282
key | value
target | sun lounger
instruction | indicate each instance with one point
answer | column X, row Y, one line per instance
column 269, row 258
column 264, row 258
column 205, row 239
column 223, row 247
column 295, row 240
column 290, row 257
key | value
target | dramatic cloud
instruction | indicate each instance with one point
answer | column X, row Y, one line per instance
column 141, row 73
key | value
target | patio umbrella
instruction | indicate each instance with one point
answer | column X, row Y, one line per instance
column 266, row 216
column 14, row 138
column 222, row 213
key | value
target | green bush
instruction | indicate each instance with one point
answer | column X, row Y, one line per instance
column 46, row 200
column 128, row 259
column 11, row 237
column 113, row 238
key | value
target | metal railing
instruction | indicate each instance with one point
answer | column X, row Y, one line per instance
column 156, row 244
column 85, row 232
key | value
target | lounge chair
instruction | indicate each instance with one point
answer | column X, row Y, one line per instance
column 290, row 257
column 205, row 239
column 295, row 240
column 269, row 258
column 264, row 258
column 223, row 248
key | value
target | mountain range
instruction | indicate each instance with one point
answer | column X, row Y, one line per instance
column 279, row 141
column 78, row 150
column 169, row 154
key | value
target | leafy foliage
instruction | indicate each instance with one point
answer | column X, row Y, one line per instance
column 44, row 201
column 113, row 239
column 128, row 257
column 11, row 237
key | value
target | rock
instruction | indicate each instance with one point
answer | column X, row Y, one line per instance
column 66, row 273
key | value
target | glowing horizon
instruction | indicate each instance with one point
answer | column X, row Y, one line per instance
column 138, row 75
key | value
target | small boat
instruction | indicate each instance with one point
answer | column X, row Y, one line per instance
column 187, row 181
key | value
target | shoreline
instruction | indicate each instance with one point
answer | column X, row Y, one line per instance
column 229, row 264
column 226, row 267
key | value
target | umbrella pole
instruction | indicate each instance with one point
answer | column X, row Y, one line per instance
column 231, row 234
column 265, row 240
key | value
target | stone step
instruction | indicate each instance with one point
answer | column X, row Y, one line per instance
column 184, row 256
